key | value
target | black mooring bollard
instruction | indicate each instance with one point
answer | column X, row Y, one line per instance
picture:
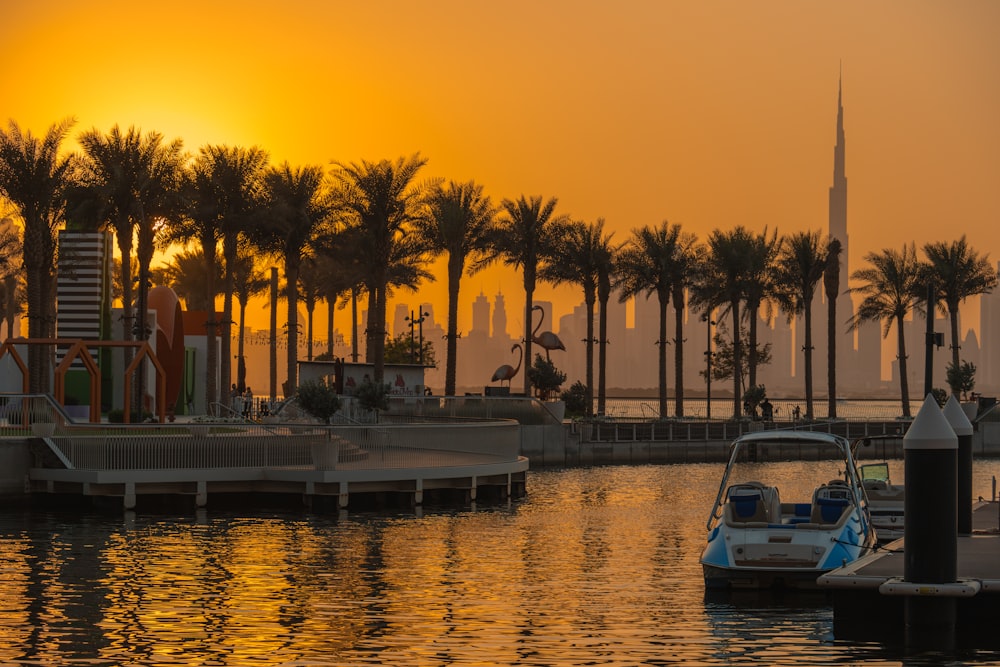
column 930, row 529
column 962, row 427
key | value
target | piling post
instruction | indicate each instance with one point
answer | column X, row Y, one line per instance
column 930, row 530
column 962, row 427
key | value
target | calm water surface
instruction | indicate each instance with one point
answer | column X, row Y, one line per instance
column 595, row 567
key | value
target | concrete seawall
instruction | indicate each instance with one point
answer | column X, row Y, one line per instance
column 545, row 447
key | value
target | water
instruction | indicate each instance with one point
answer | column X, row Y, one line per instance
column 595, row 566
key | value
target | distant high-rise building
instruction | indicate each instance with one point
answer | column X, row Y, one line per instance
column 481, row 315
column 499, row 316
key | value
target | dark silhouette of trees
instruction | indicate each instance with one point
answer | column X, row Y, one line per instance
column 958, row 272
column 34, row 178
column 523, row 239
column 889, row 288
column 459, row 223
column 799, row 267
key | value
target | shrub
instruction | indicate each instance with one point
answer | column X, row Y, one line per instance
column 319, row 399
column 576, row 399
column 371, row 396
column 545, row 377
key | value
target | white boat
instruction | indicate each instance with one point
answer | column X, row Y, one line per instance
column 757, row 539
column 885, row 501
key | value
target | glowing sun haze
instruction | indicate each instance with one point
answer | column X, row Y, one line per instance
column 706, row 114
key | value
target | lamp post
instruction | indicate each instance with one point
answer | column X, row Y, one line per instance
column 419, row 323
column 707, row 319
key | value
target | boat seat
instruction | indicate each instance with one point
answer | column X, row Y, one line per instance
column 754, row 502
column 874, row 485
column 829, row 503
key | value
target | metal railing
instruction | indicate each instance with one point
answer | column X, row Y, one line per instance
column 639, row 430
column 204, row 445
column 526, row 411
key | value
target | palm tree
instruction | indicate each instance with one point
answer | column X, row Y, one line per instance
column 248, row 282
column 685, row 261
column 381, row 202
column 298, row 207
column 889, row 286
column 831, row 287
column 311, row 293
column 606, row 278
column 185, row 275
column 651, row 263
column 523, row 239
column 203, row 191
column 239, row 182
column 759, row 289
column 343, row 274
column 958, row 272
column 459, row 223
column 133, row 181
column 10, row 270
column 725, row 274
column 33, row 178
column 577, row 257
column 799, row 267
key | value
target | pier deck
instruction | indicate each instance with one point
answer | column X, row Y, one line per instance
column 862, row 613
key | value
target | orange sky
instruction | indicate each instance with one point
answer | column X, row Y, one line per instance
column 705, row 113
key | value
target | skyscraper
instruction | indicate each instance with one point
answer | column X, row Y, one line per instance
column 857, row 368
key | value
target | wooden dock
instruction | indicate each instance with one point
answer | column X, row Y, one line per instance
column 868, row 595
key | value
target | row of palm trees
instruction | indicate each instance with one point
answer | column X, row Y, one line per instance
column 366, row 229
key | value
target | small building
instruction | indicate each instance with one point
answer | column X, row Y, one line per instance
column 403, row 379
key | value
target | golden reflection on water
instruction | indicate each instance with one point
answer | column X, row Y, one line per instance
column 596, row 566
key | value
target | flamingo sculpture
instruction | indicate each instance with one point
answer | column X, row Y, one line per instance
column 546, row 339
column 507, row 372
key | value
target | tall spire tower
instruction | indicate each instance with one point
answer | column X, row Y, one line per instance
column 838, row 191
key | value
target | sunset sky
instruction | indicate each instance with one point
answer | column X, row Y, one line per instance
column 708, row 114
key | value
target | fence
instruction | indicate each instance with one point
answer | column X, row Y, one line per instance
column 637, row 430
column 376, row 446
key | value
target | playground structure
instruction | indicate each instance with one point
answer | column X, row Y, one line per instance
column 80, row 349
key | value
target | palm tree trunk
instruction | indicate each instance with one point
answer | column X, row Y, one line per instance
column 807, row 349
column 212, row 353
column 528, row 359
column 662, row 365
column 241, row 365
column 602, row 358
column 831, row 357
column 226, row 363
column 376, row 337
column 309, row 331
column 679, row 355
column 292, row 352
column 331, row 302
column 904, row 383
column 273, row 341
column 752, row 312
column 354, row 324
column 955, row 342
column 589, row 300
column 451, row 366
column 734, row 307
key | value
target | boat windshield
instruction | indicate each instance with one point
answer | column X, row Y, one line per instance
column 875, row 471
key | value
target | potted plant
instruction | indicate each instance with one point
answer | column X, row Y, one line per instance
column 962, row 380
column 372, row 397
column 547, row 379
column 319, row 399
